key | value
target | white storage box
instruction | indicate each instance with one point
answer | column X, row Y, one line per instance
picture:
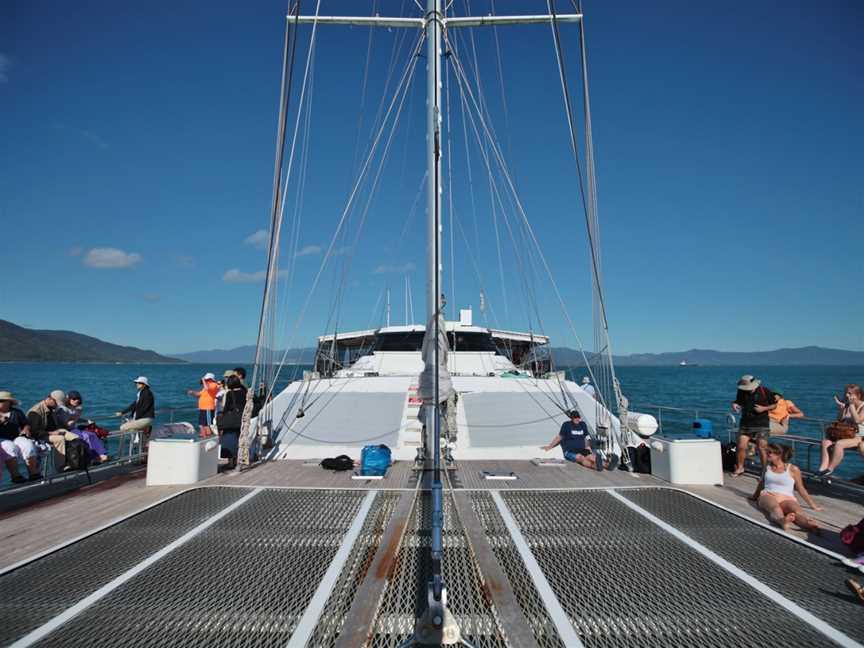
column 687, row 461
column 181, row 461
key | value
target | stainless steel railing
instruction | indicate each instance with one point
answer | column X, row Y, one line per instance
column 125, row 447
column 805, row 435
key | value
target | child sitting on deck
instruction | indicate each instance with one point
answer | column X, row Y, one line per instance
column 775, row 493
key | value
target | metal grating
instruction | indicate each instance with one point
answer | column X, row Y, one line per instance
column 245, row 581
column 38, row 591
column 405, row 595
column 623, row 581
column 520, row 580
column 362, row 553
column 809, row 578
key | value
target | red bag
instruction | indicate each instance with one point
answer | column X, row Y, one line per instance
column 99, row 431
column 853, row 537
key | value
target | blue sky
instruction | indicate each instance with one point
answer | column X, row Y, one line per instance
column 136, row 152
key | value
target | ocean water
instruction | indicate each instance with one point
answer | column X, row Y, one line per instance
column 701, row 391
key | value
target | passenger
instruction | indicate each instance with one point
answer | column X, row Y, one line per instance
column 850, row 410
column 588, row 388
column 143, row 408
column 70, row 415
column 206, row 403
column 776, row 491
column 15, row 440
column 44, row 429
column 575, row 441
column 753, row 402
column 240, row 372
column 779, row 417
column 233, row 402
column 223, row 389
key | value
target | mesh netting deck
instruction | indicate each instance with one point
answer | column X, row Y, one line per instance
column 247, row 579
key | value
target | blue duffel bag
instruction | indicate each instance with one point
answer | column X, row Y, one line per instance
column 374, row 460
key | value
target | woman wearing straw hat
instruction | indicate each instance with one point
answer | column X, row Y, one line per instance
column 15, row 440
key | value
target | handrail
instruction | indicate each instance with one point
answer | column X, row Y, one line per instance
column 130, row 450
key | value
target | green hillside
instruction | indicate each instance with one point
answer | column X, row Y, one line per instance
column 19, row 344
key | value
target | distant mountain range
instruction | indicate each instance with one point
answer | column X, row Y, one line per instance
column 566, row 357
column 243, row 355
column 801, row 356
column 19, row 344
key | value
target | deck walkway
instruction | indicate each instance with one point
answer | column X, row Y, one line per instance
column 40, row 526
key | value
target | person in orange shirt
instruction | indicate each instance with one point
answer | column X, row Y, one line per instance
column 206, row 403
column 780, row 416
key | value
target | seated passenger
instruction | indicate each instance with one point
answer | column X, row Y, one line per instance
column 44, row 429
column 575, row 441
column 850, row 410
column 70, row 416
column 775, row 493
column 779, row 417
column 143, row 408
column 15, row 440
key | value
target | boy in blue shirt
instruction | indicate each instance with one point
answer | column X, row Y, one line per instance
column 575, row 441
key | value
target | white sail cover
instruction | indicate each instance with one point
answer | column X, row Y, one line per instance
column 426, row 385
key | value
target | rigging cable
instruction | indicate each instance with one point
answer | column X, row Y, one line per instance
column 406, row 76
column 509, row 182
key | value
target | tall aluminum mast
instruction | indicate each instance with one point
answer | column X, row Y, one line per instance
column 436, row 626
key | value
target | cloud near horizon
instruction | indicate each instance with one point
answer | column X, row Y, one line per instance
column 309, row 250
column 257, row 239
column 110, row 258
column 234, row 275
column 395, row 269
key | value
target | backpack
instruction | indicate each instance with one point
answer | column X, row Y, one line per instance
column 853, row 537
column 342, row 462
column 77, row 455
column 729, row 456
column 375, row 460
column 640, row 459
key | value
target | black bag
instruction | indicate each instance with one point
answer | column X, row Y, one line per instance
column 77, row 455
column 640, row 459
column 729, row 456
column 231, row 416
column 230, row 420
column 342, row 462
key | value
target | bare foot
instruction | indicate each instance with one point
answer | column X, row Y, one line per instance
column 738, row 472
column 788, row 519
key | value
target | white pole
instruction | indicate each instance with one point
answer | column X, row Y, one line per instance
column 388, row 307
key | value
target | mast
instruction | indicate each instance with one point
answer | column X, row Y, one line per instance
column 436, row 620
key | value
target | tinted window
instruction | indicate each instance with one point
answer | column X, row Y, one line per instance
column 407, row 341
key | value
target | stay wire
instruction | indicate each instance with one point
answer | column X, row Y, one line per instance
column 509, row 181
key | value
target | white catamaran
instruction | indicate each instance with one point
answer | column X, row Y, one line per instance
column 473, row 536
column 450, row 390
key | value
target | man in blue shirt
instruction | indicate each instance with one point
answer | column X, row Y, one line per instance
column 575, row 441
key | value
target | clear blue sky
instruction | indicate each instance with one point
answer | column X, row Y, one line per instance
column 136, row 146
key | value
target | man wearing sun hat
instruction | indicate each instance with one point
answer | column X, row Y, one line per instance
column 206, row 403
column 753, row 401
column 15, row 441
column 143, row 408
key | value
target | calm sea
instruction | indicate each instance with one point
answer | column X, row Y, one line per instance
column 705, row 391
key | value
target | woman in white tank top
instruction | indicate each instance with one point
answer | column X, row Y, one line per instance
column 776, row 491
